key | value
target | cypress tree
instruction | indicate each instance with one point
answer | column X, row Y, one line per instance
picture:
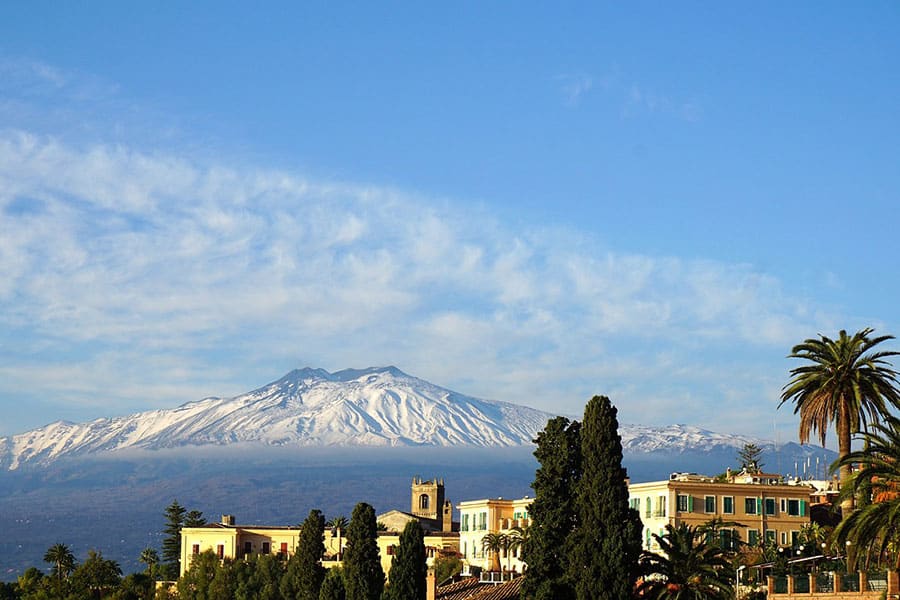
column 333, row 586
column 171, row 544
column 605, row 548
column 305, row 572
column 363, row 575
column 553, row 511
column 408, row 568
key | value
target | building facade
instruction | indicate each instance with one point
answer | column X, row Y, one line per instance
column 477, row 518
column 231, row 541
column 760, row 506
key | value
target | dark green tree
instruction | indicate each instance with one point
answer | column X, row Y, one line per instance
column 686, row 568
column 196, row 582
column 171, row 544
column 338, row 526
column 363, row 575
column 872, row 532
column 194, row 518
column 333, row 586
column 305, row 573
column 846, row 382
column 96, row 575
column 750, row 458
column 553, row 511
column 606, row 543
column 408, row 568
column 63, row 561
column 150, row 557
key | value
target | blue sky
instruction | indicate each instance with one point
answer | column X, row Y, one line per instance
column 520, row 202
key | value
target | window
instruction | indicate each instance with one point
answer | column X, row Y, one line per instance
column 635, row 503
column 682, row 502
column 648, row 506
column 647, row 539
column 709, row 503
column 424, row 501
column 770, row 506
column 770, row 536
column 727, row 539
column 265, row 547
column 795, row 539
column 728, row 505
column 750, row 506
column 783, row 505
column 248, row 547
column 390, row 550
column 195, row 549
column 783, row 538
column 482, row 521
column 753, row 537
column 464, row 526
column 283, row 550
column 661, row 506
column 796, row 508
column 220, row 551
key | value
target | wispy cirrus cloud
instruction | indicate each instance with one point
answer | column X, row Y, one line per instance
column 141, row 278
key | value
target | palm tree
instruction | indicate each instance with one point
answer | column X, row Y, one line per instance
column 62, row 559
column 875, row 527
column 515, row 540
column 338, row 525
column 149, row 557
column 686, row 568
column 845, row 383
column 494, row 543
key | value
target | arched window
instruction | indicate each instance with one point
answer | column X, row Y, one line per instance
column 424, row 501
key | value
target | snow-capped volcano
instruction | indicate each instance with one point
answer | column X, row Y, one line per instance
column 306, row 407
column 375, row 407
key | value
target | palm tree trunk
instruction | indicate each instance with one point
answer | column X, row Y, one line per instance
column 843, row 431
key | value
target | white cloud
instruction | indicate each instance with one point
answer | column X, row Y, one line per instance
column 111, row 258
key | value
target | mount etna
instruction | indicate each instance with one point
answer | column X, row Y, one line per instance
column 312, row 439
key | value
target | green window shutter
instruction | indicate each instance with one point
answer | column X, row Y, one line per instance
column 690, row 504
column 759, row 509
column 803, row 508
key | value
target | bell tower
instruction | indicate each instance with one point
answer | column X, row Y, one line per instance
column 427, row 499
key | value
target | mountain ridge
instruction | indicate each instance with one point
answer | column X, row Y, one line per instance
column 311, row 407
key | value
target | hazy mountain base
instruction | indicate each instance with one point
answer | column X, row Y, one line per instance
column 115, row 504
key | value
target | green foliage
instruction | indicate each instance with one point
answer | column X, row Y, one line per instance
column 749, row 457
column 134, row 586
column 686, row 568
column 194, row 518
column 150, row 557
column 408, row 568
column 305, row 573
column 171, row 544
column 873, row 530
column 446, row 566
column 606, row 542
column 63, row 561
column 553, row 511
column 96, row 575
column 844, row 382
column 196, row 582
column 363, row 575
column 333, row 587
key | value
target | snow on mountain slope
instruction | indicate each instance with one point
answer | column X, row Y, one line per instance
column 307, row 407
column 314, row 408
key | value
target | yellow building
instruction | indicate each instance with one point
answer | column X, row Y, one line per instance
column 761, row 505
column 477, row 518
column 228, row 540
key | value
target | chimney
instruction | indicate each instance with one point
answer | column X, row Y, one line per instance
column 430, row 585
column 228, row 520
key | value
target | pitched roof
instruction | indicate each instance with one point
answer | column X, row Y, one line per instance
column 472, row 589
